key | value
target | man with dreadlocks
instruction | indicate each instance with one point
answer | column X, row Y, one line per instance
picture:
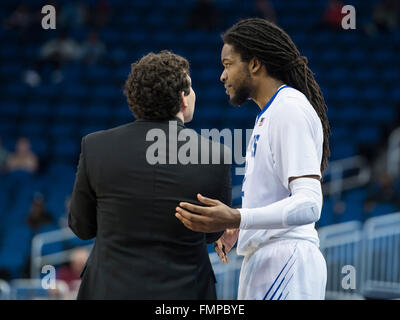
column 285, row 159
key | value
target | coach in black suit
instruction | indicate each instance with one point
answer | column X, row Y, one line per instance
column 129, row 181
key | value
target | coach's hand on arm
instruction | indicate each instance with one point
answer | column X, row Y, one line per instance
column 214, row 217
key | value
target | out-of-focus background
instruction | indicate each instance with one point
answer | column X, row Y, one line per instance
column 59, row 85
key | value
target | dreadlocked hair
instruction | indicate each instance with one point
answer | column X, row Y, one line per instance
column 261, row 39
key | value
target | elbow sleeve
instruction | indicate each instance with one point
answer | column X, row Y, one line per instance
column 307, row 202
column 302, row 207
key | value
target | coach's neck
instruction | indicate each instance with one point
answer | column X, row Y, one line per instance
column 180, row 116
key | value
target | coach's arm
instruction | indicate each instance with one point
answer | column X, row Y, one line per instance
column 225, row 197
column 82, row 215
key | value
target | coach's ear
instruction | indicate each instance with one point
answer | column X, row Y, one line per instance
column 184, row 103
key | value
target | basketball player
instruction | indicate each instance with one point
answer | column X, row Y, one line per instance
column 285, row 159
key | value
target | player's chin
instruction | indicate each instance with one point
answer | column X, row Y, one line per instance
column 235, row 101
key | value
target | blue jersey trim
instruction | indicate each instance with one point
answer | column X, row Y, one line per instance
column 270, row 101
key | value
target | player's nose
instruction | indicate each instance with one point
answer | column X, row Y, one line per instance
column 223, row 76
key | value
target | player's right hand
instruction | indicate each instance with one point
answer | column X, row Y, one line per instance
column 224, row 244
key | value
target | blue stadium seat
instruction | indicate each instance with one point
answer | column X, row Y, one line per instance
column 57, row 170
column 374, row 94
column 337, row 74
column 383, row 55
column 20, row 197
column 358, row 195
column 122, row 113
column 17, row 89
column 98, row 111
column 8, row 129
column 384, row 114
column 64, row 147
column 12, row 71
column 31, row 128
column 395, row 95
column 15, row 250
column 38, row 110
column 76, row 90
column 68, row 112
column 346, row 94
column 106, row 92
column 8, row 51
column 10, row 108
column 96, row 73
column 55, row 202
column 383, row 208
column 364, row 74
column 326, row 217
column 367, row 135
column 63, row 129
column 48, row 90
column 90, row 128
column 351, row 113
column 357, row 55
column 343, row 150
column 353, row 211
column 389, row 76
column 40, row 146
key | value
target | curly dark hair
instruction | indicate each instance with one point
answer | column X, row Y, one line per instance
column 154, row 85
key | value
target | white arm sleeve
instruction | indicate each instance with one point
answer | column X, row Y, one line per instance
column 302, row 207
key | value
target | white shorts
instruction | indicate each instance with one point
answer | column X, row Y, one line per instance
column 284, row 269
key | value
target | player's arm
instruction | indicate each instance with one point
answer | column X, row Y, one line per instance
column 302, row 207
column 82, row 215
column 294, row 138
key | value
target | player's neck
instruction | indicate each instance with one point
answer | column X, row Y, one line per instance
column 266, row 90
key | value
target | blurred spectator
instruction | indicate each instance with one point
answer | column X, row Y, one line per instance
column 339, row 208
column 38, row 215
column 204, row 16
column 381, row 190
column 100, row 15
column 20, row 19
column 23, row 159
column 54, row 53
column 71, row 272
column 3, row 157
column 60, row 50
column 63, row 222
column 92, row 49
column 332, row 16
column 266, row 10
column 73, row 14
column 385, row 17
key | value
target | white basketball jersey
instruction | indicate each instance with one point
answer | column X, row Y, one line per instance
column 287, row 141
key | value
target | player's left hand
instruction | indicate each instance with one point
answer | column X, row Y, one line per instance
column 213, row 217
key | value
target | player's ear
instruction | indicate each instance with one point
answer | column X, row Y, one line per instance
column 254, row 65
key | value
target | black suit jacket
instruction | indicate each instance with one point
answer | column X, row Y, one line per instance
column 142, row 251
